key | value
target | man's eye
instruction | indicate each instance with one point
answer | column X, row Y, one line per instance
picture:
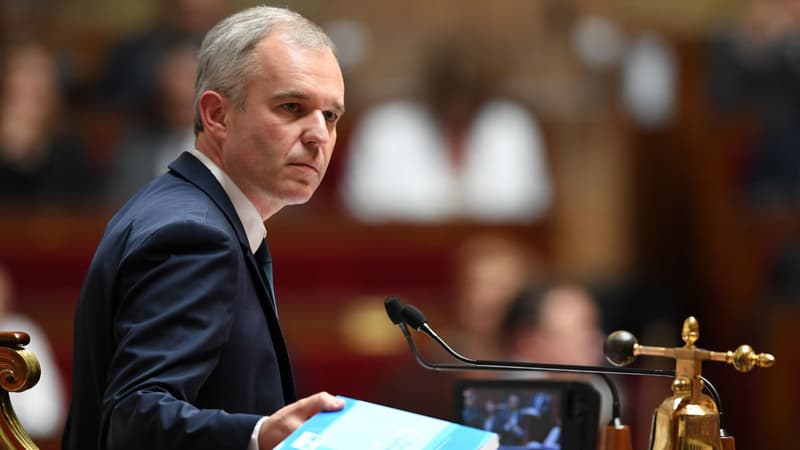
column 330, row 116
column 291, row 107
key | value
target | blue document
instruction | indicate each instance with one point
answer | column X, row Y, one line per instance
column 365, row 425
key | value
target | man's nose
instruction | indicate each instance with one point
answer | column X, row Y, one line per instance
column 316, row 132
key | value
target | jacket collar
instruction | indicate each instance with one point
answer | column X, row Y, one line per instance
column 192, row 170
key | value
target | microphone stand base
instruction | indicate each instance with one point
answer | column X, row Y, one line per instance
column 617, row 437
column 728, row 443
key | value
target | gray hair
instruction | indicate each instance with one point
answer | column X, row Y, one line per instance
column 226, row 59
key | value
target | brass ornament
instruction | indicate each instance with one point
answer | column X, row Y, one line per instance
column 19, row 370
column 688, row 419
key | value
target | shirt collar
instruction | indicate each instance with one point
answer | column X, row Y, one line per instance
column 248, row 214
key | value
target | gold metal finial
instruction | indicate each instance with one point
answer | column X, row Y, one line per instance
column 688, row 419
column 690, row 332
column 745, row 358
column 622, row 348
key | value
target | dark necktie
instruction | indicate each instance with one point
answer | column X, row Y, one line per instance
column 264, row 260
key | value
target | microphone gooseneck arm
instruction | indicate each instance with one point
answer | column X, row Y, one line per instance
column 602, row 372
column 409, row 314
column 416, row 319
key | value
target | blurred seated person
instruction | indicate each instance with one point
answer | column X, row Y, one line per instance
column 491, row 411
column 460, row 153
column 473, row 413
column 159, row 137
column 490, row 269
column 40, row 409
column 754, row 73
column 558, row 324
column 512, row 430
column 540, row 421
column 130, row 72
column 41, row 156
column 519, row 420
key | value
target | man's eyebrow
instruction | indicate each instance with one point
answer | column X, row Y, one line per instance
column 300, row 95
column 339, row 107
column 293, row 94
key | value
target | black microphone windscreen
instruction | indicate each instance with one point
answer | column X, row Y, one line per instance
column 413, row 316
column 393, row 309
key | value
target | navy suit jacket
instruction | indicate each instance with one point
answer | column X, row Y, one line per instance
column 176, row 344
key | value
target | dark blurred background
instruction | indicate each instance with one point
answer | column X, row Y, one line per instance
column 646, row 151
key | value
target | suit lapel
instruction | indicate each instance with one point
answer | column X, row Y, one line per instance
column 192, row 170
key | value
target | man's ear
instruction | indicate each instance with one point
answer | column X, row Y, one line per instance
column 213, row 109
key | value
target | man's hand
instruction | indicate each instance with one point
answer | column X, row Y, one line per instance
column 287, row 419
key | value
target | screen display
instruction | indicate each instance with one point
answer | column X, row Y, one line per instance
column 523, row 416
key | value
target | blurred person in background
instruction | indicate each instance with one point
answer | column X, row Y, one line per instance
column 755, row 73
column 509, row 419
column 157, row 138
column 557, row 323
column 41, row 157
column 490, row 269
column 22, row 20
column 755, row 86
column 132, row 71
column 459, row 152
column 40, row 409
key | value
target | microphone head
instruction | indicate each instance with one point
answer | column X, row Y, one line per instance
column 413, row 316
column 393, row 308
column 619, row 348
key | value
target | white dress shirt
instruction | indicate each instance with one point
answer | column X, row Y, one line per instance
column 253, row 227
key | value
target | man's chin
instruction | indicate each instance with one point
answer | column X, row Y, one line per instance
column 298, row 198
column 298, row 192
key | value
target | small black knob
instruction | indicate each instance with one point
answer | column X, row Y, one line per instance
column 619, row 347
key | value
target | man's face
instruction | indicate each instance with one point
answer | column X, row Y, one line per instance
column 277, row 148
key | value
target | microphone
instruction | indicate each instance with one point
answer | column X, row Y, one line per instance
column 412, row 316
column 395, row 311
column 416, row 320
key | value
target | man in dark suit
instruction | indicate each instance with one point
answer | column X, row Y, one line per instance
column 177, row 343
